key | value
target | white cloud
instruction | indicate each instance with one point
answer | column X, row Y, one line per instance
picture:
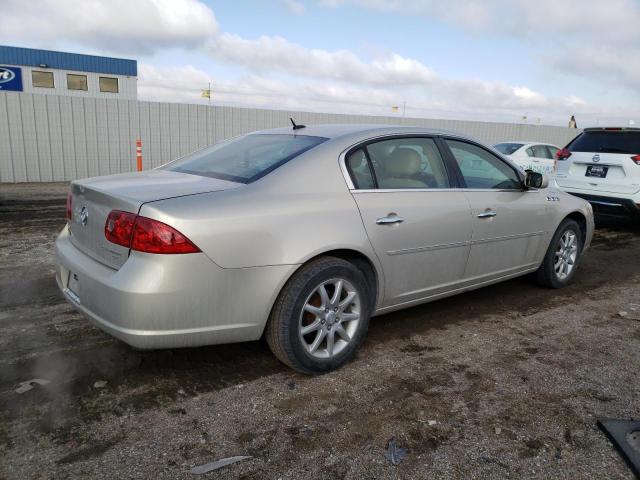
column 294, row 7
column 281, row 74
column 171, row 84
column 522, row 17
column 128, row 26
column 444, row 99
column 612, row 66
column 277, row 54
column 594, row 39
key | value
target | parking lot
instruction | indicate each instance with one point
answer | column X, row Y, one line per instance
column 506, row 381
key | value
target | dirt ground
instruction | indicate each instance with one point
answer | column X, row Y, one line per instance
column 503, row 382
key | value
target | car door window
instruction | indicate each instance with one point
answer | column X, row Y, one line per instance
column 540, row 151
column 552, row 151
column 481, row 169
column 408, row 163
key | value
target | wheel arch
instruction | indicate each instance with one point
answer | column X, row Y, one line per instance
column 581, row 220
column 372, row 272
column 365, row 265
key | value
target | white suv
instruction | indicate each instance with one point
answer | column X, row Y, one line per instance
column 602, row 165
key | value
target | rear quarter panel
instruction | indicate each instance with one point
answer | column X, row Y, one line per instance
column 300, row 210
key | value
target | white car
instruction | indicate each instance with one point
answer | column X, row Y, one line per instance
column 539, row 157
column 602, row 165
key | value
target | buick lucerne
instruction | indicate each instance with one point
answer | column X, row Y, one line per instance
column 303, row 234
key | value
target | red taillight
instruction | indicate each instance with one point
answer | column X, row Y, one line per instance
column 119, row 227
column 636, row 159
column 145, row 234
column 563, row 154
column 69, row 199
column 152, row 236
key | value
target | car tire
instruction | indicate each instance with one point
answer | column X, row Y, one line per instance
column 308, row 303
column 553, row 271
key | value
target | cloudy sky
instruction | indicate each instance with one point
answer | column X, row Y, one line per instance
column 496, row 60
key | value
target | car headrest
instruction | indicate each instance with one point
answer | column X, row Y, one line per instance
column 403, row 161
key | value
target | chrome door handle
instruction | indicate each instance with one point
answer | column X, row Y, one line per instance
column 389, row 219
column 487, row 214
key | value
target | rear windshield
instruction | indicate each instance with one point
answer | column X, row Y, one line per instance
column 245, row 159
column 607, row 141
column 507, row 148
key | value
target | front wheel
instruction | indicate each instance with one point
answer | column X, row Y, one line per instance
column 321, row 316
column 563, row 255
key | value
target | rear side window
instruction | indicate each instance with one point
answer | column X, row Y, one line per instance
column 508, row 148
column 607, row 142
column 245, row 159
column 406, row 163
column 360, row 171
column 538, row 151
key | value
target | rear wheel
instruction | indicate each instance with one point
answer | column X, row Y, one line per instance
column 321, row 316
column 563, row 255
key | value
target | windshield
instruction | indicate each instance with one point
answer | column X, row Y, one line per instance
column 244, row 159
column 507, row 148
column 611, row 141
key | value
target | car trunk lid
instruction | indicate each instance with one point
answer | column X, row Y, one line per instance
column 93, row 199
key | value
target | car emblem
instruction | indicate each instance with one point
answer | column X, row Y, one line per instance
column 84, row 216
column 596, row 157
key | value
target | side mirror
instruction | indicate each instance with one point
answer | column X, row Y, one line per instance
column 535, row 180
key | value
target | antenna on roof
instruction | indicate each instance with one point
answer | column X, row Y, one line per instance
column 296, row 127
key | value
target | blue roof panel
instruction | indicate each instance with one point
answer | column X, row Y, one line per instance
column 67, row 61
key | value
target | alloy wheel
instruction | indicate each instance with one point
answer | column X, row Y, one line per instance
column 566, row 255
column 329, row 318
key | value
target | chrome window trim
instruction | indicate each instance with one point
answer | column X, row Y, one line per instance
column 342, row 158
column 342, row 162
column 394, row 190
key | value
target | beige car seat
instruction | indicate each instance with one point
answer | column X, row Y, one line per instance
column 400, row 169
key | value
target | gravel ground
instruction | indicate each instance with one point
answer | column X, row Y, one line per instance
column 503, row 382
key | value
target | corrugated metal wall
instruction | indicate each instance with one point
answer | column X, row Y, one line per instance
column 45, row 138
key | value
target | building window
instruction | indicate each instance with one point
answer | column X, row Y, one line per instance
column 109, row 84
column 42, row 79
column 76, row 82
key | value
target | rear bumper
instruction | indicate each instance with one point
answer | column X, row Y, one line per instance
column 169, row 301
column 609, row 206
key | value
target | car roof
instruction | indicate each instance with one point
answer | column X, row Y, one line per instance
column 334, row 131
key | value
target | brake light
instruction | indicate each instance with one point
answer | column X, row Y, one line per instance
column 636, row 159
column 69, row 199
column 152, row 236
column 563, row 154
column 119, row 227
column 145, row 234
